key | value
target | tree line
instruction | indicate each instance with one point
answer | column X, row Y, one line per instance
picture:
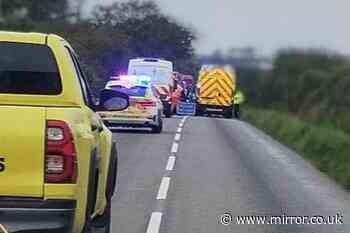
column 110, row 36
column 311, row 83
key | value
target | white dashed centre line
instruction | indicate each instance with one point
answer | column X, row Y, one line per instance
column 177, row 137
column 175, row 147
column 154, row 222
column 156, row 217
column 171, row 163
column 163, row 189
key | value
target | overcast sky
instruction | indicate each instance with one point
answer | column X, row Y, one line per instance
column 264, row 24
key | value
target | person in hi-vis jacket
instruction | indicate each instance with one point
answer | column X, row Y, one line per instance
column 238, row 99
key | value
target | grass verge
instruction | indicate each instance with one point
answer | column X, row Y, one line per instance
column 327, row 148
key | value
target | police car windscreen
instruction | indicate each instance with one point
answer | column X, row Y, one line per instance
column 28, row 69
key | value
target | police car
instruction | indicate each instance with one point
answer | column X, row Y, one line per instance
column 145, row 109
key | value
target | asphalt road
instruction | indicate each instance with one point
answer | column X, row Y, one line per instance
column 219, row 166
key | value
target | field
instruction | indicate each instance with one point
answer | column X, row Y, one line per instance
column 326, row 147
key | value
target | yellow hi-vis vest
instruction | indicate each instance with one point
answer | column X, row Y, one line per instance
column 238, row 98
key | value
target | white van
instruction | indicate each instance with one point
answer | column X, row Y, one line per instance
column 159, row 70
column 161, row 73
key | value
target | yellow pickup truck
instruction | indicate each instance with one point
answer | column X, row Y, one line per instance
column 58, row 162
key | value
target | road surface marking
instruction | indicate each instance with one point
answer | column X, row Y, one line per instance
column 154, row 222
column 163, row 189
column 175, row 147
column 156, row 217
column 177, row 137
column 171, row 163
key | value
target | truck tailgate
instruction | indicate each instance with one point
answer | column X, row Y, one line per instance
column 22, row 147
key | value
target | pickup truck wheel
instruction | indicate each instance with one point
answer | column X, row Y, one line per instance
column 92, row 194
column 112, row 173
column 102, row 224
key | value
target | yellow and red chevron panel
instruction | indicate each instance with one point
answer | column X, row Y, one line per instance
column 216, row 87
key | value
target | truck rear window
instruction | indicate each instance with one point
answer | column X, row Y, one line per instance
column 28, row 69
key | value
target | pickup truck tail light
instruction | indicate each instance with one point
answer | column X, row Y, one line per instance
column 60, row 155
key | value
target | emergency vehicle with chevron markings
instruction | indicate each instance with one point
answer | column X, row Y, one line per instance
column 215, row 90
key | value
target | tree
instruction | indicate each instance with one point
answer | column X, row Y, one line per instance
column 34, row 10
column 150, row 33
column 113, row 35
column 120, row 13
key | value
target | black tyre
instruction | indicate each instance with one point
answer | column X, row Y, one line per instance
column 159, row 127
column 112, row 173
column 102, row 223
column 199, row 110
column 229, row 113
column 92, row 194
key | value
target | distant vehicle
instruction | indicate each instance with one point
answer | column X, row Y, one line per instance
column 58, row 161
column 215, row 90
column 145, row 110
column 161, row 73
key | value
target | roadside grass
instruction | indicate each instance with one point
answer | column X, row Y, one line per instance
column 327, row 148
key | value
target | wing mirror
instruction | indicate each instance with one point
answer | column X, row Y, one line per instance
column 112, row 100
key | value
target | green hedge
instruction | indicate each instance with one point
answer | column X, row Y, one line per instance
column 327, row 148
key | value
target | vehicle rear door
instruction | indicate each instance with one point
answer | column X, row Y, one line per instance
column 23, row 123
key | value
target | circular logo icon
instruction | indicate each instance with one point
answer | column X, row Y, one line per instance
column 226, row 219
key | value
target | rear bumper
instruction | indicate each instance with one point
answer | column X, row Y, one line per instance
column 214, row 108
column 21, row 215
column 131, row 122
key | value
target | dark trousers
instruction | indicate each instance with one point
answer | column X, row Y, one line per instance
column 236, row 110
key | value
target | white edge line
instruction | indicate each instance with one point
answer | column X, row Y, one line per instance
column 163, row 189
column 171, row 163
column 154, row 222
column 175, row 147
column 177, row 137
